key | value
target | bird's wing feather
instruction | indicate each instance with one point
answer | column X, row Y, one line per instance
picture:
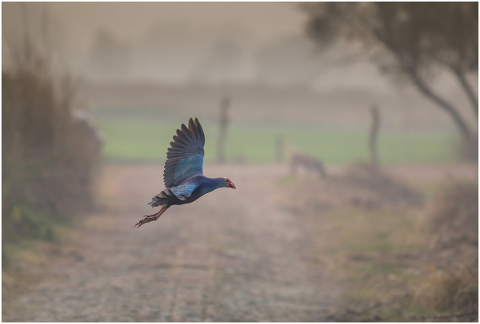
column 185, row 190
column 185, row 154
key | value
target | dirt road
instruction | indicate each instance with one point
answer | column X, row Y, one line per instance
column 231, row 256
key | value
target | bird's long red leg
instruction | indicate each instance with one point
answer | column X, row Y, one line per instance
column 151, row 218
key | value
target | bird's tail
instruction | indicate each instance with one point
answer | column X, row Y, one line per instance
column 163, row 198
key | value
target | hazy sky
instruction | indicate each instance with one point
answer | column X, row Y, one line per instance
column 175, row 39
column 132, row 20
column 184, row 42
column 184, row 38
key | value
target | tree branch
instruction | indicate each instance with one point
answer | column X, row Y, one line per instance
column 411, row 70
column 468, row 89
column 450, row 109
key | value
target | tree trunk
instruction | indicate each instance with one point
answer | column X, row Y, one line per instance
column 451, row 110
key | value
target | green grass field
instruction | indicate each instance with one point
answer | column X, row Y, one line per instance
column 139, row 139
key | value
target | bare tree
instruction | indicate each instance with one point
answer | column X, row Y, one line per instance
column 409, row 40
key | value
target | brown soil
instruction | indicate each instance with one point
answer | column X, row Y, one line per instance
column 231, row 256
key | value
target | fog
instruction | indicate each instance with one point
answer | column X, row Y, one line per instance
column 219, row 45
column 178, row 38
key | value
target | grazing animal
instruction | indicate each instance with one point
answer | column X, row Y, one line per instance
column 309, row 162
column 183, row 173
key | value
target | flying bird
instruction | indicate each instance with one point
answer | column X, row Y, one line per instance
column 183, row 173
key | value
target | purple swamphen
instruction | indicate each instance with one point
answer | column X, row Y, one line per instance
column 183, row 174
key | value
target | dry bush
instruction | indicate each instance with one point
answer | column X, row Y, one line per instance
column 454, row 222
column 449, row 290
column 451, row 282
column 47, row 172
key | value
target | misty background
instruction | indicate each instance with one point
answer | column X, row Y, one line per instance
column 187, row 55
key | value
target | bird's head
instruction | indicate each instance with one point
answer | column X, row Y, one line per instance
column 229, row 184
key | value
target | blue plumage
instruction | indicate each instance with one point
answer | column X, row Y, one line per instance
column 185, row 156
column 183, row 173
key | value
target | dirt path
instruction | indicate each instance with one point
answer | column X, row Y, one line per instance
column 231, row 256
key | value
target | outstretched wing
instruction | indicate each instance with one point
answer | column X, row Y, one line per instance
column 185, row 156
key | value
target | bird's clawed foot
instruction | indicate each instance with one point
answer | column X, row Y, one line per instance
column 151, row 218
column 147, row 219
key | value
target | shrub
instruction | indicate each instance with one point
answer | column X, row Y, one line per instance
column 451, row 281
column 49, row 156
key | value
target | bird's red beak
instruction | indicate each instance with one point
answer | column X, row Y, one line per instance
column 231, row 185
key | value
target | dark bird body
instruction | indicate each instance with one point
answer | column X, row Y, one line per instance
column 183, row 174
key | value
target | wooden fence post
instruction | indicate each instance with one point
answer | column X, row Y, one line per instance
column 374, row 160
column 225, row 103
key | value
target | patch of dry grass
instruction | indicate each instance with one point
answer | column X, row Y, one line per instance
column 448, row 289
column 375, row 235
column 454, row 222
column 450, row 281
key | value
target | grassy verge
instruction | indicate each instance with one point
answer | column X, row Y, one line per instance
column 142, row 139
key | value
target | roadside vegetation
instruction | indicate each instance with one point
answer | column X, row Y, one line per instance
column 49, row 158
column 402, row 251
